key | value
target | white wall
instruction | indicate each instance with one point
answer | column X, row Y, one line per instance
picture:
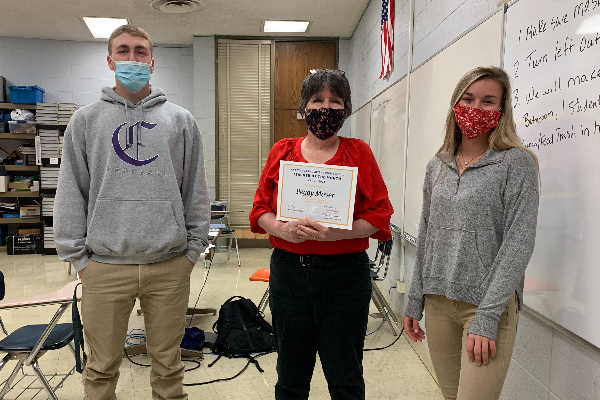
column 365, row 53
column 205, row 103
column 344, row 65
column 548, row 363
column 74, row 72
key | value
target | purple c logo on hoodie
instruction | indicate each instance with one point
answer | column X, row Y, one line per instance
column 121, row 152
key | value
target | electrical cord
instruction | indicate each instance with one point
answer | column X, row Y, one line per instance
column 148, row 365
column 389, row 345
column 251, row 360
column 395, row 340
column 201, row 290
column 140, row 335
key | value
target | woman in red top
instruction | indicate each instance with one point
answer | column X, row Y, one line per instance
column 320, row 285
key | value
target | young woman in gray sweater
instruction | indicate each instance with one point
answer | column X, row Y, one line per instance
column 476, row 235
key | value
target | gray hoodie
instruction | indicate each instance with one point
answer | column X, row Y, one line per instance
column 132, row 187
column 477, row 234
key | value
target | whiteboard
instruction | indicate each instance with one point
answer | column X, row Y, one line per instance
column 554, row 63
column 388, row 133
column 360, row 123
column 431, row 88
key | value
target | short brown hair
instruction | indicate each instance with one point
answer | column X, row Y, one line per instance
column 317, row 80
column 133, row 30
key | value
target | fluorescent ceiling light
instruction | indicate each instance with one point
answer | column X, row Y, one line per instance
column 101, row 28
column 285, row 26
column 589, row 25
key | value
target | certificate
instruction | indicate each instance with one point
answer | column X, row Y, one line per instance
column 322, row 192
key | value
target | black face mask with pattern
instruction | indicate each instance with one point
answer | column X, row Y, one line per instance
column 324, row 122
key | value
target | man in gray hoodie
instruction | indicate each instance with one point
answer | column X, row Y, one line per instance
column 132, row 213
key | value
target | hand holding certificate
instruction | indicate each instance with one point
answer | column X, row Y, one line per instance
column 322, row 192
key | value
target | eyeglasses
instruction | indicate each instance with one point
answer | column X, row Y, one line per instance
column 335, row 71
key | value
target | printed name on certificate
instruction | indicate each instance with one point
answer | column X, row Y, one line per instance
column 322, row 192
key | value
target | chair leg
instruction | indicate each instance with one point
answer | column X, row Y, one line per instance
column 45, row 383
column 264, row 301
column 228, row 247
column 237, row 250
column 11, row 378
column 3, row 362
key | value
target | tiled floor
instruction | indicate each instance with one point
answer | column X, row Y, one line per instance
column 393, row 373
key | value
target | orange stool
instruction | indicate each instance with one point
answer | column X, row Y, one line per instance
column 262, row 275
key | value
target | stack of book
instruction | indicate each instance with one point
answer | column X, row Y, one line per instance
column 28, row 152
column 49, row 177
column 47, row 206
column 65, row 112
column 46, row 113
column 22, row 183
column 50, row 143
column 49, row 242
column 9, row 208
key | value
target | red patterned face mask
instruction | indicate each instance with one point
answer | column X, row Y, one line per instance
column 475, row 121
column 324, row 122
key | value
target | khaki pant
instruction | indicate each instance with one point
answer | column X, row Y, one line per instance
column 109, row 294
column 447, row 324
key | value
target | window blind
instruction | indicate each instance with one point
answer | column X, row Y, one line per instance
column 244, row 122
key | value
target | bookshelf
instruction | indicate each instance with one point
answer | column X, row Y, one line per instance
column 51, row 122
column 12, row 221
column 17, row 136
column 13, row 106
column 21, row 167
column 19, row 194
column 12, row 141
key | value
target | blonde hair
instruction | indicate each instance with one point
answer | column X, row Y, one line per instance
column 502, row 137
column 134, row 31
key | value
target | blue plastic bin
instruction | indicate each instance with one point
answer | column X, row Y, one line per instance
column 26, row 94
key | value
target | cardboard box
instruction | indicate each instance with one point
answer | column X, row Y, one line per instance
column 30, row 244
column 29, row 211
column 29, row 231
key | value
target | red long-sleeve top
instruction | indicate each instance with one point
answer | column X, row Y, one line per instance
column 371, row 203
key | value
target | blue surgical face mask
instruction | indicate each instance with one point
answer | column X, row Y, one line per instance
column 133, row 75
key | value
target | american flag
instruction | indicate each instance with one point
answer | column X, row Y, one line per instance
column 387, row 37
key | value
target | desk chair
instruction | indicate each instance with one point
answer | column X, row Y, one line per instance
column 226, row 232
column 382, row 260
column 28, row 343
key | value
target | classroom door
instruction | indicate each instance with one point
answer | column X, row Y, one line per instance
column 293, row 61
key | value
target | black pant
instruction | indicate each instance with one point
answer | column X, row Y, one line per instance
column 319, row 304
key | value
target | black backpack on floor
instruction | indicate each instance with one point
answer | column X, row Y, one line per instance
column 241, row 329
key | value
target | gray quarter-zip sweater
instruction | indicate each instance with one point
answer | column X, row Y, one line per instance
column 132, row 187
column 476, row 234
